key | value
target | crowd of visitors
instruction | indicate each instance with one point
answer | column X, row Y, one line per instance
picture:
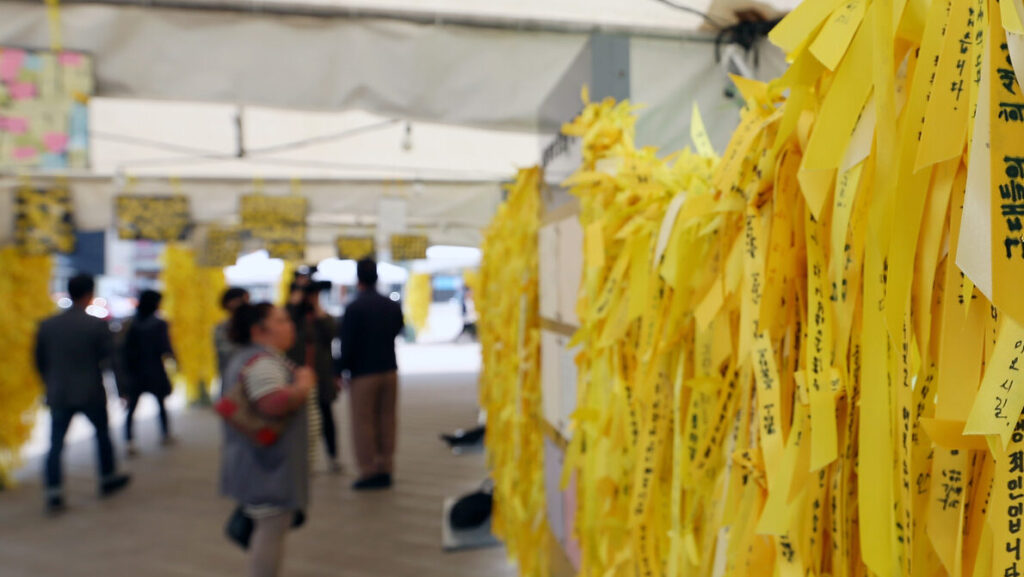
column 280, row 376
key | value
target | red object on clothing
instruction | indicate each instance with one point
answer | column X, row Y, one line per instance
column 225, row 408
column 266, row 437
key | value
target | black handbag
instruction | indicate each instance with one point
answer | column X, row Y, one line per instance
column 240, row 526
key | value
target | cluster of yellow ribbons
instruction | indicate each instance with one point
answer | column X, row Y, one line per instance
column 783, row 369
column 24, row 301
column 192, row 307
column 419, row 294
column 654, row 232
column 510, row 380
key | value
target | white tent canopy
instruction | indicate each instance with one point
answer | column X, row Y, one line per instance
column 186, row 139
column 479, row 76
column 469, row 77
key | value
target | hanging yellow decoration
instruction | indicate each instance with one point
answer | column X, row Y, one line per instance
column 783, row 370
column 636, row 313
column 25, row 301
column 284, row 286
column 471, row 279
column 419, row 294
column 510, row 389
column 192, row 307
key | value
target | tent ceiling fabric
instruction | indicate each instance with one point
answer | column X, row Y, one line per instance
column 628, row 15
column 127, row 135
column 453, row 75
column 466, row 75
column 448, row 212
column 488, row 78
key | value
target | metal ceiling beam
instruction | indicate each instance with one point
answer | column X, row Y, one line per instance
column 13, row 178
column 426, row 17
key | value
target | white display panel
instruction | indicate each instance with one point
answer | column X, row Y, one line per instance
column 554, row 461
column 570, row 268
column 567, row 366
column 551, row 378
column 558, row 380
column 548, row 257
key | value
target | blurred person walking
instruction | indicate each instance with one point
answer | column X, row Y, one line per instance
column 72, row 351
column 232, row 298
column 469, row 318
column 268, row 478
column 315, row 331
column 369, row 328
column 147, row 345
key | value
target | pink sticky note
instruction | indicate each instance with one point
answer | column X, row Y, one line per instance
column 10, row 64
column 70, row 59
column 24, row 153
column 55, row 141
column 14, row 124
column 22, row 90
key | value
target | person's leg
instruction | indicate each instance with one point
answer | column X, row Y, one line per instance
column 165, row 425
column 329, row 430
column 362, row 397
column 97, row 414
column 60, row 420
column 266, row 547
column 388, row 421
column 129, row 418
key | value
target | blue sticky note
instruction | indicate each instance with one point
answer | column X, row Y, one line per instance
column 32, row 61
column 50, row 161
column 79, row 122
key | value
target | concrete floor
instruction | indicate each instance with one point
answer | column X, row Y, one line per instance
column 170, row 522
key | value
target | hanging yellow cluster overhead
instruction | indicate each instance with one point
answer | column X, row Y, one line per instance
column 510, row 391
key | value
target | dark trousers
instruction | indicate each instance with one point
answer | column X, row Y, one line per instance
column 133, row 403
column 330, row 432
column 61, row 420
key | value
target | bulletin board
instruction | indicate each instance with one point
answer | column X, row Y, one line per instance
column 560, row 252
column 560, row 247
column 44, row 117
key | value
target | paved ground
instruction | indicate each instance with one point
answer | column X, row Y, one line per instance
column 170, row 521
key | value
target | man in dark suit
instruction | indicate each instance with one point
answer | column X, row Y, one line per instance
column 72, row 350
column 369, row 328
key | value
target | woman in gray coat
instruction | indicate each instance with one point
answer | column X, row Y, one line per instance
column 270, row 483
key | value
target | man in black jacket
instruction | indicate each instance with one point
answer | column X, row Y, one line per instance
column 72, row 350
column 369, row 328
